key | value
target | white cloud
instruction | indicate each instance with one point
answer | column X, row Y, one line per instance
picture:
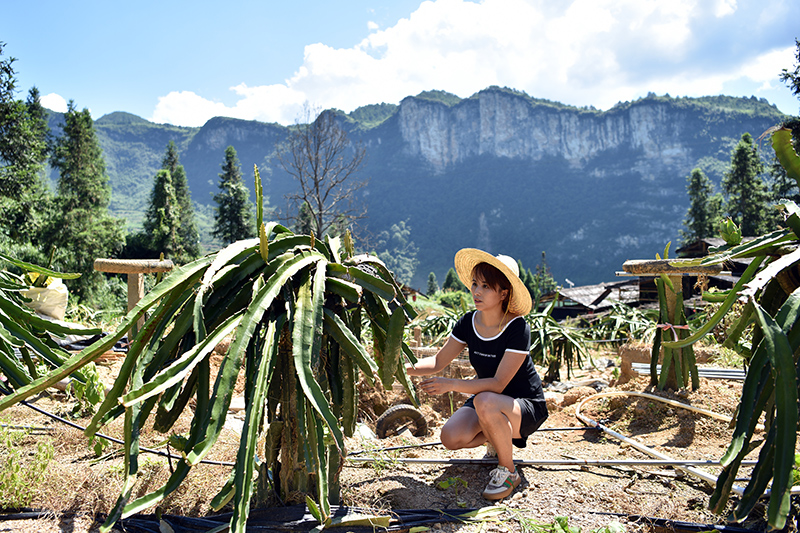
column 583, row 52
column 724, row 8
column 54, row 102
column 270, row 103
column 764, row 68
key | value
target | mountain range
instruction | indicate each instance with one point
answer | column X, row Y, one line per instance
column 500, row 171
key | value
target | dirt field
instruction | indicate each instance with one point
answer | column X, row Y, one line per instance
column 77, row 485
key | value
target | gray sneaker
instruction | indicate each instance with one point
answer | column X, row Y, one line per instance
column 501, row 483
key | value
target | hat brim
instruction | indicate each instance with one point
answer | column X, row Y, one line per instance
column 465, row 261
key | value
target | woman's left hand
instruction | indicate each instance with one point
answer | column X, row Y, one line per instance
column 436, row 385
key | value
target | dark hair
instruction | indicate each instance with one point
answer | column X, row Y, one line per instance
column 494, row 278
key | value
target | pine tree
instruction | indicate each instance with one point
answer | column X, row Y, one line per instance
column 22, row 150
column 433, row 286
column 38, row 117
column 82, row 229
column 305, row 220
column 187, row 243
column 452, row 283
column 543, row 280
column 162, row 218
column 705, row 208
column 398, row 251
column 233, row 217
column 747, row 195
column 792, row 78
column 24, row 196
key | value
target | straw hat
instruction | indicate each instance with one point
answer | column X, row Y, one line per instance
column 520, row 301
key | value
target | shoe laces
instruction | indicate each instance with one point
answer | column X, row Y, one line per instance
column 499, row 475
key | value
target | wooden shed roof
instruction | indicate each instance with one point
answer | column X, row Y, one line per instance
column 602, row 295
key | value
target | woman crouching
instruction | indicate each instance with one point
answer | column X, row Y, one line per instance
column 507, row 401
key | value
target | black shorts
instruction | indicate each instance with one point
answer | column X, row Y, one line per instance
column 534, row 412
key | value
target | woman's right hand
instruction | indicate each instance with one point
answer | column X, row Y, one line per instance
column 436, row 385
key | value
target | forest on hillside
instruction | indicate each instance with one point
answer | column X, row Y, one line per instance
column 577, row 219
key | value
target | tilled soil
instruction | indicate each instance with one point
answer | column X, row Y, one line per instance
column 590, row 496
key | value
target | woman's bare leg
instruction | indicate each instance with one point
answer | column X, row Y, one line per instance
column 499, row 417
column 462, row 430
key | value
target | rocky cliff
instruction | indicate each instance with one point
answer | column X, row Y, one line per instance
column 499, row 170
column 500, row 123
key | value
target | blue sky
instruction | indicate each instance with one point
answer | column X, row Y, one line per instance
column 184, row 62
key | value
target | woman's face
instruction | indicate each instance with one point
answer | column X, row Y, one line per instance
column 485, row 296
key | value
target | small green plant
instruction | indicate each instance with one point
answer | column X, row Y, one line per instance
column 456, row 483
column 382, row 460
column 529, row 525
column 20, row 476
column 115, row 470
column 87, row 395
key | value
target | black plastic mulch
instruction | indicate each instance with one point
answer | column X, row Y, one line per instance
column 292, row 518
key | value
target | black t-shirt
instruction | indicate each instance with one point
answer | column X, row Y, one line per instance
column 485, row 354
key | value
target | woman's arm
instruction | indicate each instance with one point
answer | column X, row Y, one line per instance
column 509, row 365
column 438, row 362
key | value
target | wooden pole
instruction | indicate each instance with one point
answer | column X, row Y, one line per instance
column 674, row 269
column 135, row 269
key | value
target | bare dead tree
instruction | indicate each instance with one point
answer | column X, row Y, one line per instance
column 325, row 163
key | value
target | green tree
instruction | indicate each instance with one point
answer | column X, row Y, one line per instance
column 792, row 78
column 527, row 278
column 82, row 229
column 399, row 252
column 433, row 285
column 747, row 195
column 781, row 185
column 162, row 218
column 325, row 164
column 705, row 208
column 187, row 244
column 38, row 117
column 543, row 281
column 233, row 216
column 24, row 196
column 305, row 220
column 452, row 283
column 22, row 151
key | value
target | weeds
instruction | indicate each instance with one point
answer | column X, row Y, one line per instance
column 496, row 514
column 456, row 483
column 559, row 525
column 382, row 460
column 20, row 477
column 87, row 395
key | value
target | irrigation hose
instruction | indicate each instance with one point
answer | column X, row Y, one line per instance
column 548, row 462
column 701, row 474
column 112, row 439
column 438, row 443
